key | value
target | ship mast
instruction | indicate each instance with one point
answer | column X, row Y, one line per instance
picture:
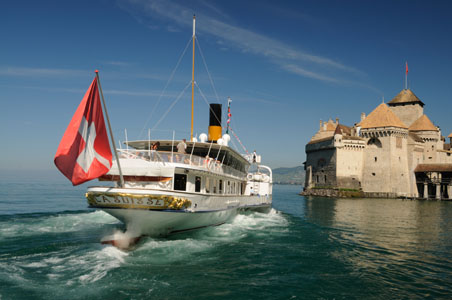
column 193, row 78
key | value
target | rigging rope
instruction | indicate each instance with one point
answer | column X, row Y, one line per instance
column 235, row 135
column 171, row 106
column 207, row 69
column 164, row 89
column 207, row 102
column 233, row 132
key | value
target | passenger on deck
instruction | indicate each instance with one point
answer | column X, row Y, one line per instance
column 206, row 162
column 154, row 149
column 181, row 147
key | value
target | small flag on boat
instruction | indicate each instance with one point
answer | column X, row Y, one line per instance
column 84, row 152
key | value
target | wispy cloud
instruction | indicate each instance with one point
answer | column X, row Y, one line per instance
column 13, row 71
column 32, row 72
column 169, row 94
column 303, row 72
column 118, row 63
column 285, row 56
column 138, row 93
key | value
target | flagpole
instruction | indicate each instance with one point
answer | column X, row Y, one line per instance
column 406, row 80
column 193, row 78
column 121, row 178
column 406, row 75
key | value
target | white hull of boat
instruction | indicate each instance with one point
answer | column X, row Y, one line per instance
column 146, row 212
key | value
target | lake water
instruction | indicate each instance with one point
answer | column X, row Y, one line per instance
column 305, row 248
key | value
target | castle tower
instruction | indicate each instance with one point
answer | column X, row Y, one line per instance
column 430, row 135
column 385, row 165
column 407, row 106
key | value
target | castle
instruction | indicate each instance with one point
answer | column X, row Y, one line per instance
column 395, row 151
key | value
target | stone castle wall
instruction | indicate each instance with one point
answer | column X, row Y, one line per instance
column 349, row 162
column 322, row 162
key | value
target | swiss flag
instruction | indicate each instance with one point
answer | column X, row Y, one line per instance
column 84, row 152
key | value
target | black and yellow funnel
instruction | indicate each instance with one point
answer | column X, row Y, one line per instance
column 215, row 122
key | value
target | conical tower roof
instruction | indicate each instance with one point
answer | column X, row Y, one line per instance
column 405, row 96
column 423, row 124
column 382, row 116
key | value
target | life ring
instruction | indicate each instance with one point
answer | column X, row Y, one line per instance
column 249, row 176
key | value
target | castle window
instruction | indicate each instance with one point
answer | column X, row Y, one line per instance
column 325, row 178
column 375, row 159
column 373, row 174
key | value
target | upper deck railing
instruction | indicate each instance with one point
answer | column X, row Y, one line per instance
column 207, row 163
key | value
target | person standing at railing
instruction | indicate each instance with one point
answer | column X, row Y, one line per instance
column 206, row 162
column 154, row 149
column 181, row 147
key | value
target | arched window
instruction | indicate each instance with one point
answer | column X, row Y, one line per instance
column 374, row 143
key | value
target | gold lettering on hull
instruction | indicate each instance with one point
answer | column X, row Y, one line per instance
column 123, row 200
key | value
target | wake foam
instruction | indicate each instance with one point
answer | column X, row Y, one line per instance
column 56, row 223
column 192, row 244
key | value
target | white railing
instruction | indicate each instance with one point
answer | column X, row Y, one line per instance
column 209, row 164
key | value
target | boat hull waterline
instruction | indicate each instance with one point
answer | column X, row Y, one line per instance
column 157, row 213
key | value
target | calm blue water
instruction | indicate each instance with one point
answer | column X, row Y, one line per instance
column 304, row 249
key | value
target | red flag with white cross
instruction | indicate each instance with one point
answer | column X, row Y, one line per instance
column 84, row 152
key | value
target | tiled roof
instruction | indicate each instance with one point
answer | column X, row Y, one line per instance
column 405, row 96
column 423, row 124
column 382, row 116
column 433, row 168
column 330, row 126
column 450, row 135
column 320, row 140
column 342, row 129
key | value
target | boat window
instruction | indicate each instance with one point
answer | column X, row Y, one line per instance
column 221, row 187
column 180, row 182
column 198, row 184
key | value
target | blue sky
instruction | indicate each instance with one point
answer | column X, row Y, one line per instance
column 285, row 64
